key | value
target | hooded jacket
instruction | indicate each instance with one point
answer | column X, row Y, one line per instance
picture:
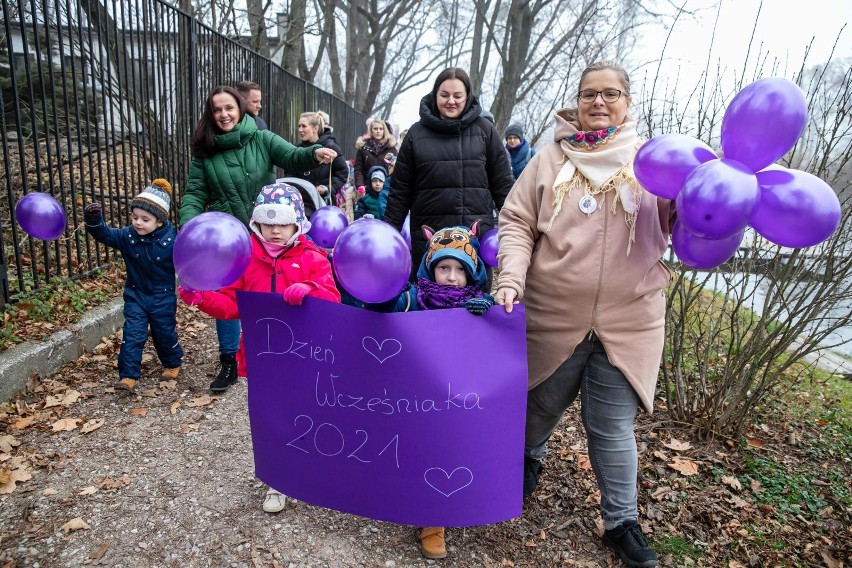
column 229, row 180
column 319, row 175
column 576, row 276
column 373, row 202
column 302, row 262
column 449, row 172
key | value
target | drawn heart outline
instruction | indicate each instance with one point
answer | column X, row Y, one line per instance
column 372, row 346
column 439, row 476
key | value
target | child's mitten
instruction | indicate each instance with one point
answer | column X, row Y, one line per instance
column 361, row 190
column 295, row 293
column 190, row 297
column 478, row 306
column 93, row 212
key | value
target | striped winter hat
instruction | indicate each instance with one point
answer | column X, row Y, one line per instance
column 156, row 199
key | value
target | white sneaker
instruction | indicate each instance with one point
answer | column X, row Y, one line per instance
column 274, row 502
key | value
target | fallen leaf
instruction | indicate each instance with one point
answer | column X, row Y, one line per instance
column 92, row 425
column 140, row 411
column 174, row 407
column 738, row 503
column 66, row 424
column 168, row 385
column 754, row 442
column 98, row 554
column 732, row 482
column 684, row 466
column 70, row 397
column 90, row 490
column 107, row 483
column 756, row 486
column 52, row 400
column 75, row 524
column 660, row 455
column 677, row 445
column 735, row 564
column 584, row 462
column 7, row 442
column 23, row 422
column 189, row 429
column 202, row 400
column 49, row 491
column 830, row 560
column 10, row 476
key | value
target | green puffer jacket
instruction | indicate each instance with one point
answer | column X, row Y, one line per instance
column 230, row 180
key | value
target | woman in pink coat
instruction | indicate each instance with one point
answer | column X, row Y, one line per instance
column 580, row 244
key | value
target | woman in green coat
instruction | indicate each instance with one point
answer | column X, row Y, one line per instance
column 231, row 161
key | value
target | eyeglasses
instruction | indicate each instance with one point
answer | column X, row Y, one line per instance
column 608, row 95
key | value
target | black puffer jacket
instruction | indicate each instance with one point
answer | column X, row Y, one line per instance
column 448, row 172
column 319, row 175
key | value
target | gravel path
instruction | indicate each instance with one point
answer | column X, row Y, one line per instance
column 167, row 480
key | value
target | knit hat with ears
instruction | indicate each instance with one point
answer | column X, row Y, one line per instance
column 280, row 204
column 156, row 199
column 514, row 129
column 459, row 243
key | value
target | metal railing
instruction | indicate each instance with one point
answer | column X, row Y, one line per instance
column 98, row 98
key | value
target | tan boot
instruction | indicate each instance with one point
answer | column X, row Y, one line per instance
column 126, row 384
column 432, row 542
column 171, row 373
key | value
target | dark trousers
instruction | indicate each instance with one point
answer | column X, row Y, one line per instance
column 159, row 312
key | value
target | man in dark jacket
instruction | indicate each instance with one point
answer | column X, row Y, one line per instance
column 251, row 94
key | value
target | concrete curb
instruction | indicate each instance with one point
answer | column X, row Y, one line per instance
column 45, row 357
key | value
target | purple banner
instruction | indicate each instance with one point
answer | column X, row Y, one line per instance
column 414, row 418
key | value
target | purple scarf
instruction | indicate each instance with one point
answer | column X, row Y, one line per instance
column 434, row 296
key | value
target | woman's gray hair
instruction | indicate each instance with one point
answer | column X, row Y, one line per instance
column 608, row 66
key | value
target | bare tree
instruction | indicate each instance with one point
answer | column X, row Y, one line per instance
column 737, row 334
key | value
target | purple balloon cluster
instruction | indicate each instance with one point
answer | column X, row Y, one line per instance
column 718, row 198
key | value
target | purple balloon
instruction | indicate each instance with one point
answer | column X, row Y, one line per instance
column 40, row 216
column 371, row 261
column 717, row 199
column 796, row 209
column 701, row 253
column 662, row 163
column 211, row 251
column 488, row 247
column 406, row 230
column 763, row 122
column 326, row 225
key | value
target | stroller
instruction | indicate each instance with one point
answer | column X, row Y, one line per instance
column 313, row 200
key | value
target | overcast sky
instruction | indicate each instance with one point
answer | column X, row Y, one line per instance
column 784, row 28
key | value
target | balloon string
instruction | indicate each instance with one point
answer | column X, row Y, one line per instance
column 330, row 189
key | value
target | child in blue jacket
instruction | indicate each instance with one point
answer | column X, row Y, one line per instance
column 375, row 197
column 146, row 246
column 451, row 275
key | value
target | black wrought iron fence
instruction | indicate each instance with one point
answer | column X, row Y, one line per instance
column 98, row 98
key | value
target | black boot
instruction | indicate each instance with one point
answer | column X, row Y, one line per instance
column 227, row 373
column 629, row 543
column 532, row 469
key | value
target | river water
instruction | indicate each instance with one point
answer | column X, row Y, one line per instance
column 754, row 289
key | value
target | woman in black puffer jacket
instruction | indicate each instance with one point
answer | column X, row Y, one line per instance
column 452, row 168
column 314, row 129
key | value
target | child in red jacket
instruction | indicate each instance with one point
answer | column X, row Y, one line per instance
column 283, row 261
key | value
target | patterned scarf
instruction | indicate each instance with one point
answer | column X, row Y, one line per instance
column 434, row 296
column 603, row 167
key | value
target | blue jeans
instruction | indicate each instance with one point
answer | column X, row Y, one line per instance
column 228, row 332
column 608, row 405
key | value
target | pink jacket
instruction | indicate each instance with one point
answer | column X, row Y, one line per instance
column 576, row 277
column 303, row 262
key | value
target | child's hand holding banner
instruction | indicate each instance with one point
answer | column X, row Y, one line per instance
column 415, row 418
